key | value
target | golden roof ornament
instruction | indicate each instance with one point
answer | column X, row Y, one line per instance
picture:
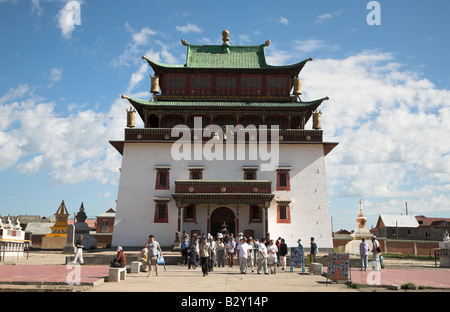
column 267, row 43
column 184, row 42
column 225, row 37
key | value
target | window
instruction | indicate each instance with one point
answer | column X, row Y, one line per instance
column 255, row 214
column 277, row 86
column 200, row 85
column 283, row 214
column 189, row 214
column 161, row 213
column 171, row 121
column 283, row 182
column 196, row 173
column 225, row 85
column 250, row 85
column 104, row 228
column 162, row 178
column 175, row 84
column 279, row 121
column 250, row 176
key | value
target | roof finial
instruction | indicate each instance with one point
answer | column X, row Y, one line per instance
column 225, row 37
column 267, row 43
column 184, row 42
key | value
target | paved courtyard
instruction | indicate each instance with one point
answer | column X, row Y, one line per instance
column 48, row 271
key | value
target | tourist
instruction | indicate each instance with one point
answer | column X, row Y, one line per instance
column 255, row 251
column 152, row 258
column 243, row 254
column 278, row 243
column 212, row 260
column 272, row 259
column 79, row 250
column 299, row 244
column 312, row 257
column 363, row 253
column 220, row 255
column 262, row 257
column 193, row 254
column 143, row 259
column 205, row 255
column 231, row 250
column 283, row 254
column 250, row 254
column 120, row 260
column 376, row 253
column 184, row 250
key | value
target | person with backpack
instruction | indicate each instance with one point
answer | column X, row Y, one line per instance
column 376, row 250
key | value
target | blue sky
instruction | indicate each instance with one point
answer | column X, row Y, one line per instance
column 388, row 85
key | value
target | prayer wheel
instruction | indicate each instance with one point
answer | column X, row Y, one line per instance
column 155, row 85
column 317, row 116
column 297, row 86
column 131, row 117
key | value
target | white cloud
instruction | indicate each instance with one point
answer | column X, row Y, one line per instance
column 55, row 74
column 69, row 17
column 327, row 17
column 283, row 20
column 390, row 124
column 36, row 8
column 188, row 28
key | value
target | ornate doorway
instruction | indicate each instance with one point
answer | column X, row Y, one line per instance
column 221, row 215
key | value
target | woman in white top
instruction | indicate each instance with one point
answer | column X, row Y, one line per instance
column 272, row 260
column 231, row 249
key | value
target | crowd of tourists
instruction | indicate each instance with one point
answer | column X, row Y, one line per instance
column 208, row 252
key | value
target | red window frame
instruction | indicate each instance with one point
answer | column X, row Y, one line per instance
column 280, row 121
column 251, row 85
column 200, row 84
column 200, row 175
column 287, row 187
column 172, row 120
column 288, row 214
column 277, row 85
column 174, row 84
column 165, row 218
column 250, row 217
column 248, row 174
column 158, row 186
column 194, row 212
column 225, row 85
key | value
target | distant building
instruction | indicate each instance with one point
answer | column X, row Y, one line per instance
column 433, row 228
column 398, row 227
column 105, row 228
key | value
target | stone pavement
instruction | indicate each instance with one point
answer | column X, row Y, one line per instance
column 46, row 270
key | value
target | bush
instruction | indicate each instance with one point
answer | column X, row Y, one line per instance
column 408, row 286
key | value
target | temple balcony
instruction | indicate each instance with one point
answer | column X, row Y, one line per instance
column 165, row 135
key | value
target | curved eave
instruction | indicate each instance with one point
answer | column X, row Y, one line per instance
column 141, row 105
column 293, row 70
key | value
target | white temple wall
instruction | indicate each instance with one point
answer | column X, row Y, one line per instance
column 309, row 207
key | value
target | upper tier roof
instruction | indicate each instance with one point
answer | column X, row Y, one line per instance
column 228, row 57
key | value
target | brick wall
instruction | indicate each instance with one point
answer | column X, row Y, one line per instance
column 410, row 247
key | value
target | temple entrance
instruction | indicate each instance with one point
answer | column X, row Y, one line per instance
column 220, row 215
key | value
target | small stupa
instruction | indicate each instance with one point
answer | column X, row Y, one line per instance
column 360, row 232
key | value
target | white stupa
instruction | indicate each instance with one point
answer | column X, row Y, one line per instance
column 359, row 233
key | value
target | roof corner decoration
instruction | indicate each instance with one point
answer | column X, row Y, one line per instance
column 226, row 37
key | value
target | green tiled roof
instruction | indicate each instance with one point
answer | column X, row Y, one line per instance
column 140, row 105
column 226, row 57
column 204, row 56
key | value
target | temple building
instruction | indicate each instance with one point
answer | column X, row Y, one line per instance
column 223, row 143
